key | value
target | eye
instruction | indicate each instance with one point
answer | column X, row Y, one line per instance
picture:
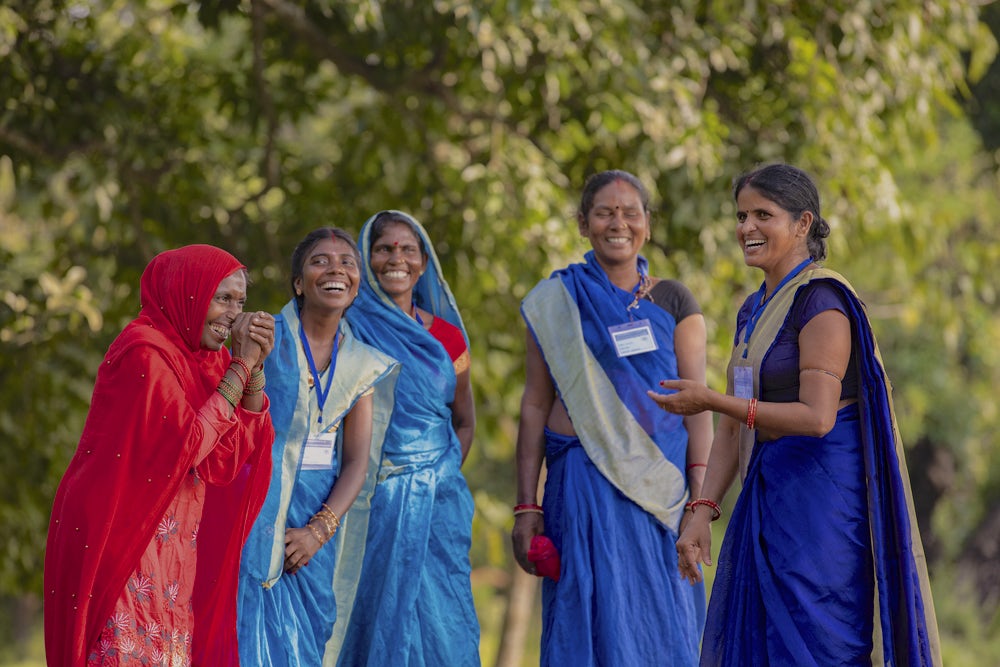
column 348, row 262
column 632, row 214
column 381, row 250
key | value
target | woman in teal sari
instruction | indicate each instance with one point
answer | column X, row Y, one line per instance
column 330, row 398
column 416, row 607
column 821, row 563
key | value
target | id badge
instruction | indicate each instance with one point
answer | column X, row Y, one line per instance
column 633, row 338
column 743, row 381
column 319, row 450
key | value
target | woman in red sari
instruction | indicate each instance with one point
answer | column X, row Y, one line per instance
column 172, row 414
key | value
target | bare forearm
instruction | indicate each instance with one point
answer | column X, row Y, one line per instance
column 530, row 453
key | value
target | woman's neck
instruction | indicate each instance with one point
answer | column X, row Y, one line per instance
column 774, row 277
column 622, row 276
column 405, row 302
column 320, row 329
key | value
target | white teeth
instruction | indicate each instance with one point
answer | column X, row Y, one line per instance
column 753, row 244
column 395, row 275
column 220, row 330
column 334, row 285
column 619, row 240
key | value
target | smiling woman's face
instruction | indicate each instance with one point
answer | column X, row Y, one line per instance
column 225, row 305
column 330, row 275
column 772, row 240
column 397, row 260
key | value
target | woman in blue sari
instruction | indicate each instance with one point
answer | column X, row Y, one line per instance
column 822, row 562
column 330, row 397
column 619, row 470
column 416, row 607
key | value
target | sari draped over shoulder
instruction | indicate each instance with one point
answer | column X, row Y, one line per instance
column 822, row 562
column 614, row 493
column 415, row 604
column 146, row 434
column 289, row 620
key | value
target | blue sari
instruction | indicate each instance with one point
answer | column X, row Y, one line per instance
column 821, row 563
column 289, row 620
column 614, row 493
column 415, row 604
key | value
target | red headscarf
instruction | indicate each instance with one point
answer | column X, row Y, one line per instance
column 140, row 440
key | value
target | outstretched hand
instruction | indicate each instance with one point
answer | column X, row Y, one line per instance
column 686, row 398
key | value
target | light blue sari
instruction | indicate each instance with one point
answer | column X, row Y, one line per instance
column 615, row 493
column 289, row 619
column 414, row 606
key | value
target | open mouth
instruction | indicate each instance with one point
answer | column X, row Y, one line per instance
column 219, row 330
column 334, row 286
column 756, row 243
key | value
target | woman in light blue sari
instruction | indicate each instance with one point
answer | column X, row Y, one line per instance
column 330, row 395
column 619, row 469
column 822, row 562
column 414, row 605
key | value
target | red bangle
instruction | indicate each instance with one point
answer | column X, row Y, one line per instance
column 527, row 506
column 711, row 504
column 751, row 413
column 244, row 365
column 697, row 465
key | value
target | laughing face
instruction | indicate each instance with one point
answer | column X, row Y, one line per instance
column 617, row 224
column 397, row 260
column 772, row 240
column 330, row 276
column 226, row 304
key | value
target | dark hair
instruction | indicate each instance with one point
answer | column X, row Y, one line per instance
column 793, row 190
column 307, row 244
column 597, row 181
column 385, row 219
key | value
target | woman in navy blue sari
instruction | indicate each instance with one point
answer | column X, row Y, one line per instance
column 821, row 563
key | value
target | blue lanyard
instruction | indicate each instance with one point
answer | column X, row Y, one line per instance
column 321, row 392
column 416, row 315
column 760, row 306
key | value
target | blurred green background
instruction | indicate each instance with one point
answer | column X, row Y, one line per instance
column 130, row 127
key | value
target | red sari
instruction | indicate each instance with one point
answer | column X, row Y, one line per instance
column 123, row 546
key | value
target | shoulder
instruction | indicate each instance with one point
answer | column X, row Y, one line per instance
column 674, row 297
column 818, row 296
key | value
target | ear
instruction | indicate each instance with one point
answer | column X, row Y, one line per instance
column 804, row 222
column 298, row 286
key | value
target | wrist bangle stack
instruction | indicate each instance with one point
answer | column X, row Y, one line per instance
column 327, row 518
column 527, row 508
column 256, row 383
column 751, row 413
column 711, row 504
column 229, row 390
column 242, row 365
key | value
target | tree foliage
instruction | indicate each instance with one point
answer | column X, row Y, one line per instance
column 129, row 127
